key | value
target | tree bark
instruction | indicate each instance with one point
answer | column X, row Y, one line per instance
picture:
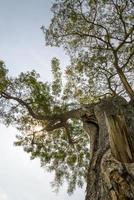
column 111, row 170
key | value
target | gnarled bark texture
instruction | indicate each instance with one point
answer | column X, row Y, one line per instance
column 111, row 170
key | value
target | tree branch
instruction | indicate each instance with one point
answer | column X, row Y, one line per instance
column 125, row 38
column 119, row 13
column 122, row 76
column 23, row 103
column 109, row 84
column 54, row 121
column 130, row 56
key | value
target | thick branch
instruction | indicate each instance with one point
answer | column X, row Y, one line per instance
column 23, row 103
column 123, row 78
column 51, row 127
column 55, row 121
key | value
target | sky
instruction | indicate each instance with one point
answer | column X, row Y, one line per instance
column 22, row 48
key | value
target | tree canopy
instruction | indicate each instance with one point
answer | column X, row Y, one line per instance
column 99, row 38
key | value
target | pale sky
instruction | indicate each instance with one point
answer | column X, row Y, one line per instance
column 22, row 47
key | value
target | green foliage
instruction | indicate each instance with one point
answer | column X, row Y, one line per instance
column 92, row 32
column 35, row 93
column 98, row 35
column 56, row 154
column 3, row 76
column 57, row 83
column 68, row 162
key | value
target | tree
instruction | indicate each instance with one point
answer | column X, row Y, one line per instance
column 82, row 128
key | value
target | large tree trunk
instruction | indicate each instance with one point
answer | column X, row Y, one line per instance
column 111, row 170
